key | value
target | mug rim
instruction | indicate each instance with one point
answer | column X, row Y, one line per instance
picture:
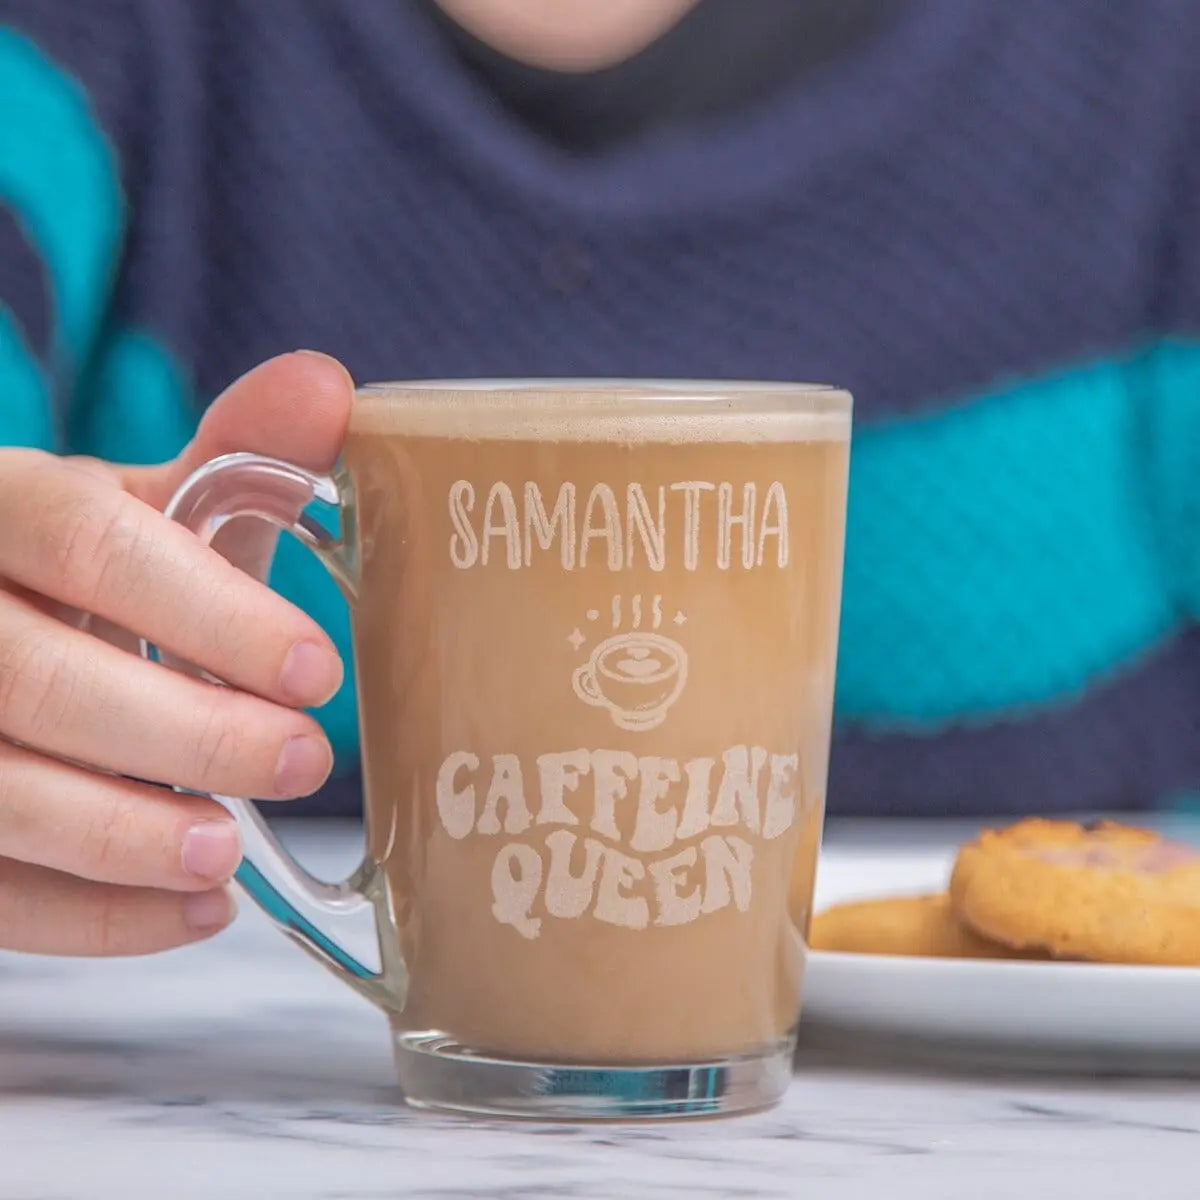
column 584, row 393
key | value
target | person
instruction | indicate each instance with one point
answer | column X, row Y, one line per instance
column 983, row 219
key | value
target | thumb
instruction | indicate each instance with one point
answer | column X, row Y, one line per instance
column 295, row 407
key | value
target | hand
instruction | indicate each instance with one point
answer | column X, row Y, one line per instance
column 90, row 861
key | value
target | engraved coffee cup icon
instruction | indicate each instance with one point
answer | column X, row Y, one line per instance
column 636, row 676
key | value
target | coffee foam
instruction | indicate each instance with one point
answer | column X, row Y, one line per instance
column 673, row 413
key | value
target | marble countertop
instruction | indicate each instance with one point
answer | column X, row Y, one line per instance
column 240, row 1069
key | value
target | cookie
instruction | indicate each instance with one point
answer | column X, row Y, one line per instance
column 1104, row 892
column 911, row 925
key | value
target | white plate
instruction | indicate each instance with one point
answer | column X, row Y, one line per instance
column 1031, row 1014
column 1043, row 1014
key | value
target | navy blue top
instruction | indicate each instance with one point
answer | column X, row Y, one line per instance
column 984, row 220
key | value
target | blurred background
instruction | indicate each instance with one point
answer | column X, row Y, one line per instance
column 982, row 218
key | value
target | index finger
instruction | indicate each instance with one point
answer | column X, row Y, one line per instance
column 70, row 536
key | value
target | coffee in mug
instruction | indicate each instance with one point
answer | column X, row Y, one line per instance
column 595, row 630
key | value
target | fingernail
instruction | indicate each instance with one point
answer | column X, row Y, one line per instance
column 206, row 912
column 212, row 849
column 311, row 674
column 303, row 764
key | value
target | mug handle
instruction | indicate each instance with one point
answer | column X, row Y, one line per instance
column 306, row 909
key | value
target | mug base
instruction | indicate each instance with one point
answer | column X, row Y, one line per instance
column 436, row 1072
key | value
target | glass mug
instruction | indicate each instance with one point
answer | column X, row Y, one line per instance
column 595, row 631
